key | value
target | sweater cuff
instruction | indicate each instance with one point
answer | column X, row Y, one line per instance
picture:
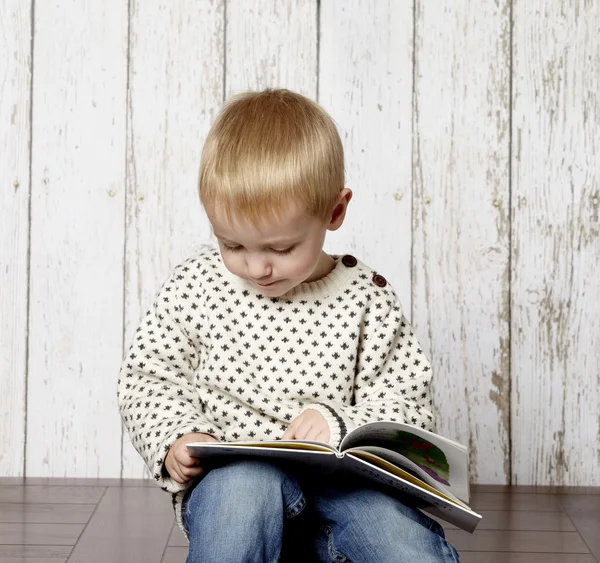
column 158, row 469
column 339, row 425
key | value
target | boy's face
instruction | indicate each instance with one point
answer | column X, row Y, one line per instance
column 276, row 256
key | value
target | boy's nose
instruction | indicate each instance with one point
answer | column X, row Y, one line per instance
column 258, row 267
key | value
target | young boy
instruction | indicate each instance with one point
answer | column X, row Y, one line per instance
column 270, row 337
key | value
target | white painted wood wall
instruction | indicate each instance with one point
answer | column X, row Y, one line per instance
column 472, row 132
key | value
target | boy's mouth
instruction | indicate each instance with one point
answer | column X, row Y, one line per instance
column 266, row 284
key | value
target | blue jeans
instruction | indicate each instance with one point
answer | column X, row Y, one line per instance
column 253, row 511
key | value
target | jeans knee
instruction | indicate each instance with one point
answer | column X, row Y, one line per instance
column 237, row 511
column 261, row 481
column 247, row 490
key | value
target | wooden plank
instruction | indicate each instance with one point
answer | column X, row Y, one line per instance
column 39, row 513
column 177, row 539
column 15, row 105
column 76, row 482
column 503, row 501
column 461, row 221
column 529, row 520
column 499, row 557
column 34, row 553
column 172, row 555
column 271, row 44
column 585, row 514
column 176, row 88
column 77, row 238
column 51, row 494
column 23, row 533
column 556, row 236
column 131, row 524
column 517, row 489
column 365, row 82
column 517, row 541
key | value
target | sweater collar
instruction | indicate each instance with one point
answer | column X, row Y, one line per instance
column 332, row 283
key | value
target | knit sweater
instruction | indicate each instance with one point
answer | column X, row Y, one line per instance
column 213, row 355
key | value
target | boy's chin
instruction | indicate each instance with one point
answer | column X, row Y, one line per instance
column 277, row 290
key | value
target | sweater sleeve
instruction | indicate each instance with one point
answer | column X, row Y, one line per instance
column 392, row 380
column 157, row 399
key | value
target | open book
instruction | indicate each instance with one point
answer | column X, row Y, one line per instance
column 400, row 458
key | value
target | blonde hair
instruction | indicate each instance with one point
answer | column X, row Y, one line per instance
column 268, row 149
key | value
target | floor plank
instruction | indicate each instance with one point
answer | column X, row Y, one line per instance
column 130, row 525
column 50, row 494
column 509, row 501
column 34, row 553
column 517, row 541
column 52, row 513
column 520, row 489
column 520, row 520
column 490, row 557
column 584, row 511
column 132, row 521
column 174, row 555
column 177, row 539
column 76, row 482
column 24, row 533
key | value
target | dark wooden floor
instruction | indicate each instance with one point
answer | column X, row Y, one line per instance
column 111, row 521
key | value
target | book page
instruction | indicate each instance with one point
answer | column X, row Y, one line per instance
column 434, row 502
column 285, row 444
column 399, row 472
column 442, row 459
column 399, row 461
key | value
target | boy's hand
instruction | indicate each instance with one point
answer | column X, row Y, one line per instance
column 310, row 425
column 182, row 467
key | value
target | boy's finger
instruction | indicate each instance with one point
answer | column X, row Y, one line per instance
column 290, row 433
column 314, row 434
column 323, row 436
column 176, row 474
column 191, row 472
column 187, row 460
column 304, row 430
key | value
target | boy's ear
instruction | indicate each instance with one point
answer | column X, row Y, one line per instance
column 339, row 211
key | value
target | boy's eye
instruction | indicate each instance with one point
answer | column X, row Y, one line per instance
column 233, row 248
column 284, row 252
column 239, row 247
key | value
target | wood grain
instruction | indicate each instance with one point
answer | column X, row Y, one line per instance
column 175, row 91
column 271, row 44
column 77, row 238
column 365, row 82
column 15, row 105
column 504, row 277
column 461, row 222
column 556, row 243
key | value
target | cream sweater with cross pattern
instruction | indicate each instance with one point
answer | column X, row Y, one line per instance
column 213, row 355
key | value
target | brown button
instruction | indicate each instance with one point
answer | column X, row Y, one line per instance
column 349, row 261
column 379, row 281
